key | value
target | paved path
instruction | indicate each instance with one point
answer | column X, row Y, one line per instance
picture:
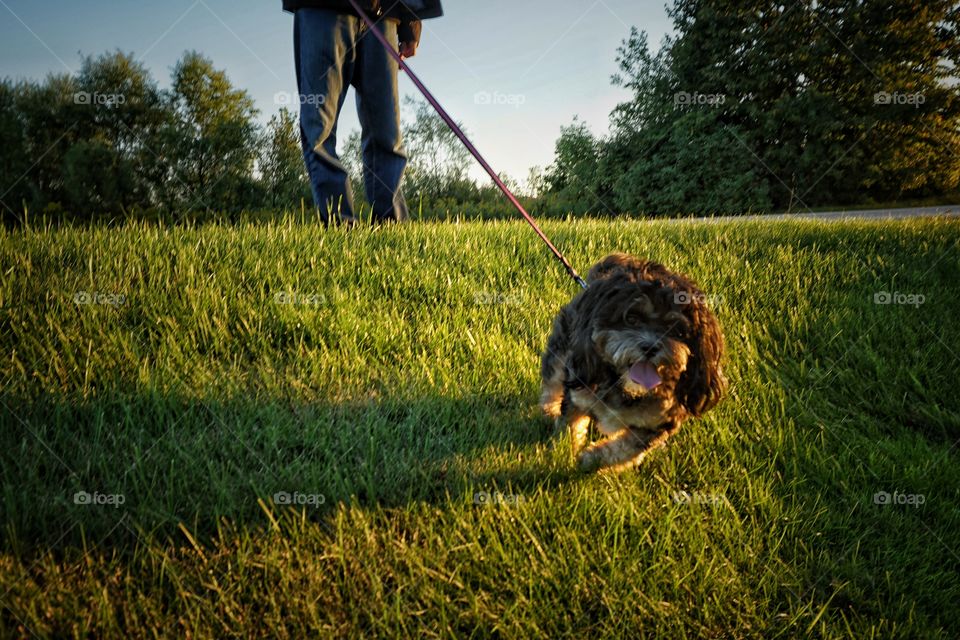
column 866, row 214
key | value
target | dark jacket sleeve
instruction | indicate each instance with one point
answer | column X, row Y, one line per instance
column 413, row 9
column 421, row 9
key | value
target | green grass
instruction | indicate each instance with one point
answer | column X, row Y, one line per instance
column 404, row 382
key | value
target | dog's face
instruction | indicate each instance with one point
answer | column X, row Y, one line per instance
column 648, row 331
column 638, row 333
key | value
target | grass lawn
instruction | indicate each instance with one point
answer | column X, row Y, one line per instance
column 162, row 390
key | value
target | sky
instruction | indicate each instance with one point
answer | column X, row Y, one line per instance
column 511, row 71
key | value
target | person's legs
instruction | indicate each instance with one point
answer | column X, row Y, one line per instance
column 324, row 54
column 378, row 105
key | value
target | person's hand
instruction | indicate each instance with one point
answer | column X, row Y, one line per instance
column 408, row 49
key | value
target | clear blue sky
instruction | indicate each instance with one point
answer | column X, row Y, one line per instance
column 554, row 58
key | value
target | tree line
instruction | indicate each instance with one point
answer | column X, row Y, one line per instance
column 760, row 106
column 107, row 144
column 749, row 106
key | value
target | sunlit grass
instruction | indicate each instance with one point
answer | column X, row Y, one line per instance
column 387, row 378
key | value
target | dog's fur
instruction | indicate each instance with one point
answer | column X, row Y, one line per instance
column 632, row 310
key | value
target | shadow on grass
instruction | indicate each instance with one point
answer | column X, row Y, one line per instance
column 111, row 470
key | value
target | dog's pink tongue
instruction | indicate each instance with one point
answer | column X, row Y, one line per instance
column 644, row 374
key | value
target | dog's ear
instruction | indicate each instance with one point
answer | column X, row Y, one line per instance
column 584, row 367
column 702, row 383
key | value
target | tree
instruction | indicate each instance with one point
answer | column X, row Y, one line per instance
column 573, row 177
column 211, row 143
column 15, row 163
column 438, row 161
column 45, row 113
column 760, row 105
column 118, row 101
column 280, row 164
column 98, row 180
column 897, row 62
column 707, row 173
column 118, row 110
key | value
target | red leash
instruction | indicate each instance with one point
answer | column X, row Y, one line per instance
column 466, row 142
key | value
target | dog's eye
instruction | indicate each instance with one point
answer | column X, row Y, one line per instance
column 634, row 319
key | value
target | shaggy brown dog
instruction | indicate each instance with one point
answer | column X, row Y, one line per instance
column 638, row 352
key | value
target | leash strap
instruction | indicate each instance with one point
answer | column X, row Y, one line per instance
column 466, row 142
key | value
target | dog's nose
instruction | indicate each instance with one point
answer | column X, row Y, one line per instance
column 650, row 350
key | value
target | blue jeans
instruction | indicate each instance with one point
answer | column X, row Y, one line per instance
column 333, row 51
